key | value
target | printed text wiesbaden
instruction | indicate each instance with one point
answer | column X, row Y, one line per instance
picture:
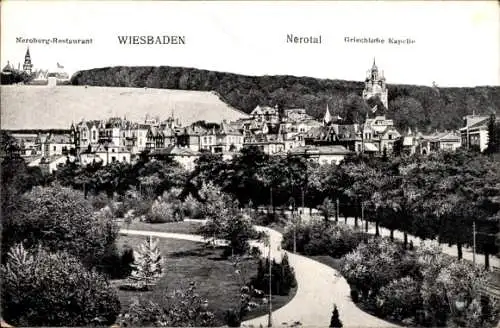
column 152, row 39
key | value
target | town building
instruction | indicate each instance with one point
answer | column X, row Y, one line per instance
column 410, row 143
column 379, row 133
column 190, row 136
column 266, row 114
column 105, row 154
column 182, row 155
column 439, row 141
column 228, row 139
column 321, row 154
column 27, row 66
column 475, row 132
column 274, row 130
column 49, row 164
column 54, row 144
column 28, row 143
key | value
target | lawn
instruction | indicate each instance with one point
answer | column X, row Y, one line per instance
column 186, row 227
column 214, row 276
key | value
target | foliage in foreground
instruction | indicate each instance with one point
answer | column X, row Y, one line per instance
column 54, row 289
column 423, row 287
column 181, row 308
column 60, row 219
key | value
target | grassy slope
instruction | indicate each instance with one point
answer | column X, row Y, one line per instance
column 38, row 107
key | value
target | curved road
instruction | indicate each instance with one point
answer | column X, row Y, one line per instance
column 319, row 287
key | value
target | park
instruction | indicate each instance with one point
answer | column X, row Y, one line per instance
column 248, row 242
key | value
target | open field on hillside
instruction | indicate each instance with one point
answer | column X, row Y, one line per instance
column 41, row 107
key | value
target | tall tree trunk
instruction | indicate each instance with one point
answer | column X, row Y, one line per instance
column 271, row 198
column 337, row 211
column 486, row 260
column 366, row 225
column 405, row 240
column 377, row 232
column 459, row 249
column 356, row 220
column 392, row 235
column 345, row 219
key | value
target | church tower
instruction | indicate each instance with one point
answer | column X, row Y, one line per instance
column 375, row 85
column 27, row 66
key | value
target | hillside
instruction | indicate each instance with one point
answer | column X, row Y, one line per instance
column 411, row 106
column 40, row 107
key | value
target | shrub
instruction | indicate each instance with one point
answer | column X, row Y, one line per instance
column 119, row 210
column 282, row 276
column 319, row 238
column 54, row 289
column 126, row 261
column 166, row 208
column 232, row 318
column 238, row 231
column 61, row 220
column 400, row 298
column 179, row 309
column 225, row 221
column 117, row 264
column 373, row 265
column 141, row 207
column 99, row 201
column 265, row 219
column 192, row 208
column 354, row 295
column 255, row 252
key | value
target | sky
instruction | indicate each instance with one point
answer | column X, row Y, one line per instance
column 456, row 43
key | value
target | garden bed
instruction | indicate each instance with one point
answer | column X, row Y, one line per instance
column 213, row 275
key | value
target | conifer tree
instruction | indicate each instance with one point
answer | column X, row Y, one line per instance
column 335, row 320
column 493, row 135
column 148, row 264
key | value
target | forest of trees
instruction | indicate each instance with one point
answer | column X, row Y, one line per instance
column 422, row 107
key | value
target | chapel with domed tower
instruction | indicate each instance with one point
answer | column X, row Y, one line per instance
column 375, row 85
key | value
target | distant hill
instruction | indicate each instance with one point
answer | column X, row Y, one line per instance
column 42, row 107
column 411, row 106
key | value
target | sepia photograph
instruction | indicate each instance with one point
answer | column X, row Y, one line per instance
column 250, row 164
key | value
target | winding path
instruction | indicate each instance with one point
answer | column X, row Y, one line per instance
column 319, row 287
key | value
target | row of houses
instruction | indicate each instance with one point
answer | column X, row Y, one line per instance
column 291, row 132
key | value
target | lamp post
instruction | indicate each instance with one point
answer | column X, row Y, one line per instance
column 303, row 211
column 292, row 210
column 271, row 198
column 474, row 242
column 267, row 242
